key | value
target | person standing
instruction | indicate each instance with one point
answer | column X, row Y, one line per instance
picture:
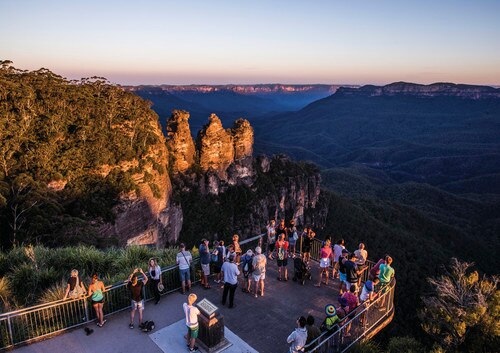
column 96, row 294
column 191, row 313
column 292, row 238
column 237, row 248
column 326, row 255
column 75, row 288
column 231, row 273
column 184, row 260
column 298, row 337
column 271, row 238
column 259, row 270
column 282, row 256
column 155, row 273
column 307, row 239
column 361, row 258
column 136, row 298
column 246, row 263
column 337, row 253
column 313, row 331
column 385, row 276
column 352, row 271
column 205, row 263
column 342, row 271
column 218, row 260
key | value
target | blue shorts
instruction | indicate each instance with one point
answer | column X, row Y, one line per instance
column 185, row 275
column 343, row 277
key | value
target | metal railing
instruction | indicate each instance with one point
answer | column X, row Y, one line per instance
column 361, row 323
column 40, row 321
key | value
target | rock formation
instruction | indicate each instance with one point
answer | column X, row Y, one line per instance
column 243, row 139
column 179, row 141
column 215, row 147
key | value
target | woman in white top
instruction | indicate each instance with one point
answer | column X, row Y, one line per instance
column 155, row 274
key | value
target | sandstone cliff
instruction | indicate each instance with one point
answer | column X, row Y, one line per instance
column 215, row 146
column 179, row 141
column 243, row 139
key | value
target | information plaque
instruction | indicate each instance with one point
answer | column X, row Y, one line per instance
column 207, row 307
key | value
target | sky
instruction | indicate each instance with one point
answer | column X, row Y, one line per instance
column 248, row 42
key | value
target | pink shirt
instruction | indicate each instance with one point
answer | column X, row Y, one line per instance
column 326, row 252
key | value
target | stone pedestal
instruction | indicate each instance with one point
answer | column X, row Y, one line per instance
column 211, row 329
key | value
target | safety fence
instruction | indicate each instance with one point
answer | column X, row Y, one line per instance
column 40, row 321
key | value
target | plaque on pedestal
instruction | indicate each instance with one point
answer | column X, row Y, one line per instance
column 211, row 328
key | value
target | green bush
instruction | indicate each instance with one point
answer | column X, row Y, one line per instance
column 405, row 345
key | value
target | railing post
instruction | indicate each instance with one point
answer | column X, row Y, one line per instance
column 11, row 336
column 86, row 308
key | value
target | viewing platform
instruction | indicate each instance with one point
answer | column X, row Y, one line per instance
column 263, row 323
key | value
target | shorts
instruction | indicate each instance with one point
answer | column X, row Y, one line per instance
column 217, row 268
column 257, row 278
column 98, row 301
column 349, row 284
column 193, row 332
column 283, row 263
column 306, row 249
column 185, row 275
column 137, row 305
column 343, row 277
column 324, row 263
column 246, row 274
column 206, row 269
column 291, row 241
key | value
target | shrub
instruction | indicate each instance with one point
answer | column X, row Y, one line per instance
column 404, row 345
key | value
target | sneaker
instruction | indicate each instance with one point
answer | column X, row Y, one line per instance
column 194, row 349
column 131, row 326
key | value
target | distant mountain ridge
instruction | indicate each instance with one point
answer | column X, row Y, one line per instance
column 418, row 90
column 248, row 89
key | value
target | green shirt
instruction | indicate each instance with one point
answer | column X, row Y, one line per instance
column 386, row 273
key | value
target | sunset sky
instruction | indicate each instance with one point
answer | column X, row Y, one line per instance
column 214, row 42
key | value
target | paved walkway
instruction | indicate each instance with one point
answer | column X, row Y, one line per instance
column 263, row 322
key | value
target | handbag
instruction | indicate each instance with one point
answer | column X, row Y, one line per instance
column 161, row 287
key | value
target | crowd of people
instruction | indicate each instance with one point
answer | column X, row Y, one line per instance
column 228, row 266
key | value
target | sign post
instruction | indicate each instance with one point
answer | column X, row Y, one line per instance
column 211, row 335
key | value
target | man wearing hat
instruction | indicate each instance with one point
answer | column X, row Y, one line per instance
column 259, row 270
column 246, row 265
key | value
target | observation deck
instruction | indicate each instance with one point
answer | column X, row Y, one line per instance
column 264, row 322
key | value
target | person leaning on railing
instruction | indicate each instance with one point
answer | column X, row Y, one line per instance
column 96, row 294
column 75, row 288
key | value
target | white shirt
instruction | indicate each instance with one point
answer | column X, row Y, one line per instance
column 337, row 251
column 184, row 260
column 297, row 340
column 157, row 270
column 191, row 313
column 361, row 255
column 231, row 272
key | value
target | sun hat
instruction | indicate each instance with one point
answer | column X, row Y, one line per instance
column 249, row 252
column 330, row 310
column 161, row 287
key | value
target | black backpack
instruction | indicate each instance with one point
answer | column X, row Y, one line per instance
column 147, row 326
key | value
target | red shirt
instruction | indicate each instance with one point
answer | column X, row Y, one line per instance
column 282, row 244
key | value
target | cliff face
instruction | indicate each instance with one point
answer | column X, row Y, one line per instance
column 215, row 146
column 432, row 90
column 137, row 214
column 179, row 141
column 219, row 174
column 235, row 192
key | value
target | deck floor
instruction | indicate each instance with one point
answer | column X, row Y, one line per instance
column 263, row 322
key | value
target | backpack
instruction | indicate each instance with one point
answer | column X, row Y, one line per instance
column 281, row 253
column 247, row 264
column 147, row 326
column 215, row 256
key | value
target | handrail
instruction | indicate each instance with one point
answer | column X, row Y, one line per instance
column 42, row 320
